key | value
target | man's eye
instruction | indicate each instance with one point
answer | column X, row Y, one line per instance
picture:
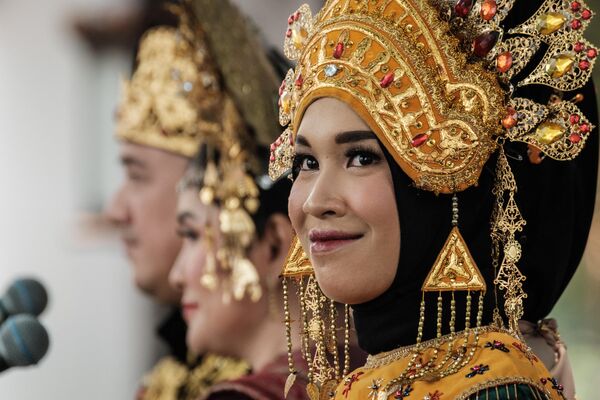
column 188, row 234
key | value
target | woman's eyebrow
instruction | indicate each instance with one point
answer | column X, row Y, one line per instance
column 354, row 136
column 301, row 140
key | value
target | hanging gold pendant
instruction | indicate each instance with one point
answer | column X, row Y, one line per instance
column 297, row 263
column 454, row 268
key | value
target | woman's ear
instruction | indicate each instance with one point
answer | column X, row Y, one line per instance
column 278, row 237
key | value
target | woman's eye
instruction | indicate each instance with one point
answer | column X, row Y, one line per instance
column 362, row 159
column 303, row 162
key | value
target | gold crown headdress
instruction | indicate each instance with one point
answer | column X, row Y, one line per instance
column 234, row 121
column 435, row 81
column 174, row 97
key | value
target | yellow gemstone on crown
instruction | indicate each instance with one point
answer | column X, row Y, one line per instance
column 286, row 101
column 550, row 22
column 559, row 66
column 549, row 132
column 299, row 36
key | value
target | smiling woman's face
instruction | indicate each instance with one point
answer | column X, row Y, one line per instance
column 342, row 204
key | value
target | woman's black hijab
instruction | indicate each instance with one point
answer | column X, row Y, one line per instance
column 555, row 197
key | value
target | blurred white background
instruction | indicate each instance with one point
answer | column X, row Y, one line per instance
column 58, row 166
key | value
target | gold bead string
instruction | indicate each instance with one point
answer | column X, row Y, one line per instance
column 439, row 315
column 346, row 340
column 288, row 327
column 333, row 338
column 452, row 314
column 468, row 311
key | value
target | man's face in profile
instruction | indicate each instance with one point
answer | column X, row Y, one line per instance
column 144, row 208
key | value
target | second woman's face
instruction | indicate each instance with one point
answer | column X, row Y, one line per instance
column 213, row 326
column 342, row 204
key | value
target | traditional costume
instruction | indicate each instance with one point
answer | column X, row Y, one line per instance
column 444, row 87
column 167, row 105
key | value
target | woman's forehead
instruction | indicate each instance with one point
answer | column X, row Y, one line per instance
column 330, row 115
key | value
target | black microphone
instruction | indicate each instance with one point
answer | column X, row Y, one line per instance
column 23, row 341
column 24, row 296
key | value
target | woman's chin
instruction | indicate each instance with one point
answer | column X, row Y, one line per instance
column 344, row 289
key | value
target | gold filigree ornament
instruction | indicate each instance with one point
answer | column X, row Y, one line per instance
column 435, row 80
column 227, row 132
column 318, row 321
column 174, row 91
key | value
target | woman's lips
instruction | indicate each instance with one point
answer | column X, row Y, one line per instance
column 188, row 310
column 322, row 241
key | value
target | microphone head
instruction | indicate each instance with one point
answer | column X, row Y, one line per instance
column 23, row 341
column 25, row 296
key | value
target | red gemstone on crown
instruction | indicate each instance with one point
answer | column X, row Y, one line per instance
column 575, row 6
column 510, row 120
column 575, row 24
column 339, row 50
column 288, row 33
column 584, row 128
column 584, row 65
column 574, row 119
column 299, row 81
column 592, row 53
column 463, row 7
column 387, row 80
column 484, row 43
column 290, row 19
column 488, row 10
column 296, row 15
column 574, row 138
column 586, row 14
column 504, row 61
column 578, row 47
column 419, row 139
column 282, row 87
column 272, row 158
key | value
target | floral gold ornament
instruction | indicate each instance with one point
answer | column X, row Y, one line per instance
column 171, row 93
column 435, row 82
column 318, row 321
column 226, row 116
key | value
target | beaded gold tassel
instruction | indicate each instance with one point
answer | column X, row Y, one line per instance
column 318, row 322
column 454, row 270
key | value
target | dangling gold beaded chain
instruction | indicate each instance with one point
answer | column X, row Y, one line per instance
column 459, row 352
column 439, row 315
column 305, row 335
column 346, row 340
column 333, row 340
column 288, row 336
column 452, row 314
column 468, row 311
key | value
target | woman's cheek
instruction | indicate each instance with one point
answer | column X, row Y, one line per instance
column 295, row 202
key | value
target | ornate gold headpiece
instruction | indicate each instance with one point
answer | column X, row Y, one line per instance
column 174, row 96
column 434, row 79
column 437, row 108
column 231, row 121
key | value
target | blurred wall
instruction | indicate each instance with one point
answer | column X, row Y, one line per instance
column 57, row 157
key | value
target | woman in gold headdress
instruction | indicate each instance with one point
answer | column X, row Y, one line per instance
column 232, row 218
column 401, row 116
